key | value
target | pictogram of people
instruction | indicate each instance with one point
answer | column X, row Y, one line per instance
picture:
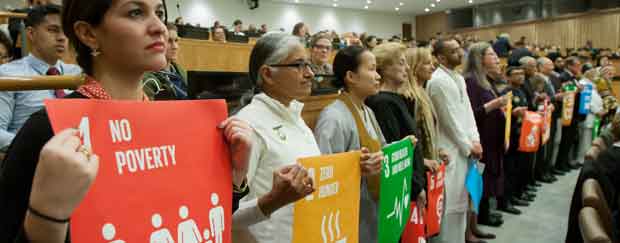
column 207, row 235
column 161, row 235
column 187, row 230
column 109, row 232
column 216, row 219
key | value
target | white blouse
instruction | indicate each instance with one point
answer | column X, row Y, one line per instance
column 282, row 137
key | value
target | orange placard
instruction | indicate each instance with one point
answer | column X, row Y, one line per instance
column 155, row 183
column 530, row 132
column 331, row 213
column 568, row 106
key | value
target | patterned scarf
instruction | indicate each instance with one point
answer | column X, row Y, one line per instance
column 93, row 90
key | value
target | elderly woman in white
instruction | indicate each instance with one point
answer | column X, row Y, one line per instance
column 279, row 66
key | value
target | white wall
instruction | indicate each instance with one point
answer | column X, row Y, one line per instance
column 277, row 15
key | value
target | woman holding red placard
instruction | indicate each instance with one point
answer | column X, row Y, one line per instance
column 44, row 177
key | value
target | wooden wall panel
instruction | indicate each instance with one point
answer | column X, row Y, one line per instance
column 602, row 27
column 428, row 25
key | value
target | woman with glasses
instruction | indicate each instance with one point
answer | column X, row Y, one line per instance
column 392, row 111
column 486, row 102
column 169, row 83
column 348, row 124
column 280, row 69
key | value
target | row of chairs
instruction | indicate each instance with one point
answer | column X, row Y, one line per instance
column 595, row 218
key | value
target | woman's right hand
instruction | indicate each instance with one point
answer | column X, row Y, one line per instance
column 371, row 162
column 65, row 172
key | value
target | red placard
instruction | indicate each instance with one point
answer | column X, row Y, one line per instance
column 164, row 172
column 530, row 132
column 435, row 191
column 414, row 231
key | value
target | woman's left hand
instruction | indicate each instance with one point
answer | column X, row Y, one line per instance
column 238, row 134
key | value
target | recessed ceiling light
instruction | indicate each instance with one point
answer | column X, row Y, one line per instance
column 401, row 4
column 335, row 5
column 426, row 10
column 432, row 5
column 438, row 0
column 396, row 8
column 368, row 1
column 297, row 1
column 366, row 7
column 471, row 1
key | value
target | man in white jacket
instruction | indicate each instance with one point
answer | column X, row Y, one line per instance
column 458, row 136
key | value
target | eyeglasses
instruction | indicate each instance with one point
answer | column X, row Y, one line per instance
column 301, row 66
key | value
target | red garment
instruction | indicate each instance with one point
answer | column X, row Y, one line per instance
column 93, row 89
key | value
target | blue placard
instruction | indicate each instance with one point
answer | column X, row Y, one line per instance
column 473, row 183
column 586, row 97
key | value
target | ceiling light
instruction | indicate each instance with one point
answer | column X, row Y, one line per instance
column 471, row 1
column 396, row 8
column 368, row 1
column 438, row 0
column 401, row 4
column 426, row 10
column 366, row 7
column 297, row 1
column 432, row 5
column 335, row 5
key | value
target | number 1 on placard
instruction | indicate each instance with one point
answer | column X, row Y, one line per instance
column 85, row 132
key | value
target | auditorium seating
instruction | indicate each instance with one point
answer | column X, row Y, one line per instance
column 591, row 226
column 592, row 196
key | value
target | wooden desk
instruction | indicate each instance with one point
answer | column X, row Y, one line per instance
column 313, row 105
column 209, row 56
column 4, row 16
column 203, row 55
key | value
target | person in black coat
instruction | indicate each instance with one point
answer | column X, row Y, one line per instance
column 393, row 114
column 519, row 52
column 569, row 133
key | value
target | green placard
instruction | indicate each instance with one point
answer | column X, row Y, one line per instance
column 395, row 193
column 596, row 128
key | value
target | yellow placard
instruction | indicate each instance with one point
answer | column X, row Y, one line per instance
column 331, row 213
column 568, row 105
column 508, row 115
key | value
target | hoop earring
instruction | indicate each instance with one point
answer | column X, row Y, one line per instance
column 95, row 52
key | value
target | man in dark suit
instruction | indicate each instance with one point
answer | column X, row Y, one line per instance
column 546, row 68
column 569, row 133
